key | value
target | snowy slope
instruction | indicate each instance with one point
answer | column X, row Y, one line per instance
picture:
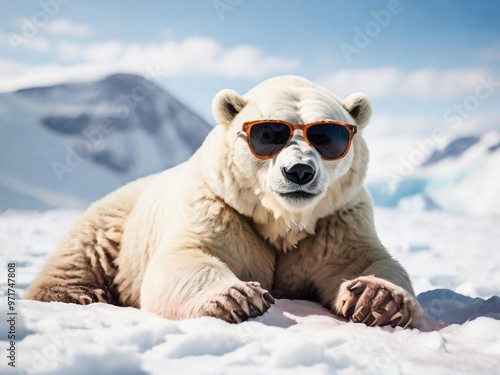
column 296, row 337
column 462, row 177
column 69, row 144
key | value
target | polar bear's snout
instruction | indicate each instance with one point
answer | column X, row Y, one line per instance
column 299, row 174
column 296, row 176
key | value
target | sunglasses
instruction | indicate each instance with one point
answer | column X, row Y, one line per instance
column 266, row 138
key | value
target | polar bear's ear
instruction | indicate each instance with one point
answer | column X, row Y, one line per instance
column 359, row 107
column 226, row 105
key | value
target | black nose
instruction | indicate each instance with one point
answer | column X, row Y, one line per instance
column 300, row 174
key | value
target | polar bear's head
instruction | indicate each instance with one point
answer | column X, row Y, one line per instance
column 296, row 185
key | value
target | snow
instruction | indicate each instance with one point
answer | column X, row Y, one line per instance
column 461, row 177
column 452, row 259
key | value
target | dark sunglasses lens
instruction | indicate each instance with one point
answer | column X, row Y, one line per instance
column 330, row 140
column 268, row 138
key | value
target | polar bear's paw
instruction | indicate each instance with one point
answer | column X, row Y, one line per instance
column 70, row 293
column 378, row 302
column 238, row 302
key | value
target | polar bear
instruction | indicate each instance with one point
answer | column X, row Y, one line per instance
column 272, row 203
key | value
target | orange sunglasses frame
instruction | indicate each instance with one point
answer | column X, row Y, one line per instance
column 352, row 129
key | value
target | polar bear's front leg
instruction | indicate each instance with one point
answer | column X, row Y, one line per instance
column 191, row 283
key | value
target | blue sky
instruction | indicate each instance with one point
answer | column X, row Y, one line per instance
column 417, row 60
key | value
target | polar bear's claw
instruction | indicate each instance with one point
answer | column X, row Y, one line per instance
column 378, row 302
column 398, row 315
column 268, row 298
column 239, row 302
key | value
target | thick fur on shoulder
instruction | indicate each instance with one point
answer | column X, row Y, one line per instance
column 214, row 235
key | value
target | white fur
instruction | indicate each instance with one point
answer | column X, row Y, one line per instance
column 196, row 233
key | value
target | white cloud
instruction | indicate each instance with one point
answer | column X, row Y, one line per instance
column 66, row 27
column 421, row 83
column 16, row 75
column 68, row 51
column 9, row 68
column 478, row 122
column 385, row 125
column 107, row 52
column 39, row 44
column 190, row 56
column 195, row 55
column 28, row 33
column 15, row 41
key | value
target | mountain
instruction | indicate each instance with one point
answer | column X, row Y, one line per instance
column 462, row 177
column 68, row 145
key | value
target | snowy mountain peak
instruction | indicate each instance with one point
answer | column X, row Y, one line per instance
column 453, row 149
column 82, row 140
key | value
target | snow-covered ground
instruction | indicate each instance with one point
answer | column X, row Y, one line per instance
column 448, row 256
